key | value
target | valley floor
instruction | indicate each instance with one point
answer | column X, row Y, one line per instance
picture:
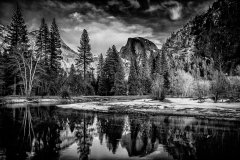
column 140, row 105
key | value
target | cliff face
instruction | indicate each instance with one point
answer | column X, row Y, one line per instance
column 210, row 35
column 67, row 53
column 180, row 48
column 135, row 46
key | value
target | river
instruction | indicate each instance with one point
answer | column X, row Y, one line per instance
column 49, row 132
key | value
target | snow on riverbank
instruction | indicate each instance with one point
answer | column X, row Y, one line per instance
column 177, row 103
column 171, row 106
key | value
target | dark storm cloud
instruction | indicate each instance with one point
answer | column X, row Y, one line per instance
column 107, row 21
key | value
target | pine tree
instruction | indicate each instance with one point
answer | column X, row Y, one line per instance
column 55, row 49
column 103, row 86
column 17, row 36
column 119, row 87
column 100, row 65
column 161, row 83
column 7, row 79
column 85, row 56
column 43, row 43
column 133, row 79
column 17, row 30
column 108, row 77
column 72, row 80
column 43, row 47
column 162, row 69
column 99, row 71
column 165, row 71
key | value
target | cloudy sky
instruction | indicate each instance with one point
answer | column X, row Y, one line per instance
column 108, row 22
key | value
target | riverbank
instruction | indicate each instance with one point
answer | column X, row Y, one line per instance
column 137, row 105
column 171, row 106
column 73, row 99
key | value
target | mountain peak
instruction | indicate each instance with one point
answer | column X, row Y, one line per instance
column 135, row 46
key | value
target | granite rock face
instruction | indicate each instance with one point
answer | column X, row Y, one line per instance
column 134, row 48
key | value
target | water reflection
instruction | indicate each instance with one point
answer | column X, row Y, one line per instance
column 48, row 132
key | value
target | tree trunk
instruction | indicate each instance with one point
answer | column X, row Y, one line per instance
column 15, row 85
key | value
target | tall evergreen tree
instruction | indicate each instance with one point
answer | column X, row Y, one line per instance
column 99, row 71
column 100, row 65
column 165, row 71
column 161, row 82
column 85, row 56
column 119, row 87
column 43, row 47
column 43, row 43
column 55, row 49
column 17, row 30
column 103, row 84
column 7, row 77
column 133, row 79
column 72, row 80
column 17, row 35
column 111, row 67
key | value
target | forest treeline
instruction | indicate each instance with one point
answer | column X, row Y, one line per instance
column 201, row 59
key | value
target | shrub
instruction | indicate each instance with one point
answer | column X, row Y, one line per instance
column 65, row 94
column 219, row 84
column 201, row 88
column 182, row 84
column 234, row 83
column 88, row 89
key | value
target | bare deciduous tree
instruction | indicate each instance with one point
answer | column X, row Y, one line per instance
column 27, row 64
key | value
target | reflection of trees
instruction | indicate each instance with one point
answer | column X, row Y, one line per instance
column 84, row 135
column 40, row 130
column 30, row 131
column 47, row 142
column 183, row 138
column 112, row 127
column 9, row 133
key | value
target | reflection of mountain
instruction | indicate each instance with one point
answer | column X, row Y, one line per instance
column 67, row 137
column 139, row 142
